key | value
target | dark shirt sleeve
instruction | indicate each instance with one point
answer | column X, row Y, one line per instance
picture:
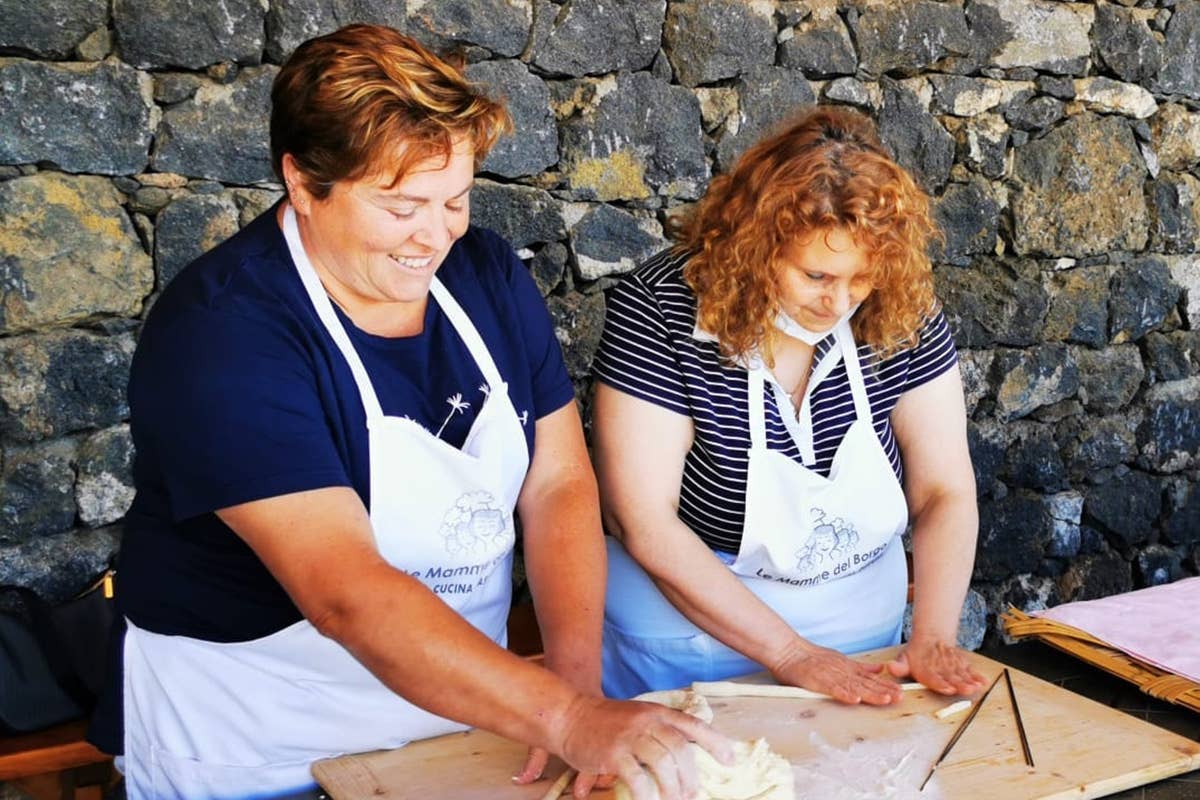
column 228, row 410
column 636, row 353
column 552, row 387
column 934, row 354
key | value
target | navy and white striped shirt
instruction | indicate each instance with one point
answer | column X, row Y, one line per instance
column 649, row 350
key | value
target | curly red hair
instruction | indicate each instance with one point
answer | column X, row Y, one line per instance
column 825, row 169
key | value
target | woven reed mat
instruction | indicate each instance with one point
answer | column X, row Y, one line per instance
column 1151, row 679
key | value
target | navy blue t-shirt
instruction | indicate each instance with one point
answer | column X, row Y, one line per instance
column 238, row 393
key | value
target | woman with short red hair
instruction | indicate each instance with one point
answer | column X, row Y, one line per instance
column 337, row 413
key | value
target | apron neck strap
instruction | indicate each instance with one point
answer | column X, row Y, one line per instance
column 466, row 329
column 858, row 384
column 324, row 308
column 756, row 404
column 755, row 401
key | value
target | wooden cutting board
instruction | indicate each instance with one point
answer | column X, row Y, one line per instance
column 1081, row 749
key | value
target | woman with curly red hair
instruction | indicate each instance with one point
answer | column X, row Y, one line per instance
column 777, row 397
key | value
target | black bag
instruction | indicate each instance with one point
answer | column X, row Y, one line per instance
column 52, row 657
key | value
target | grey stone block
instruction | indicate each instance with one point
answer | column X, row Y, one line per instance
column 992, row 303
column 1030, row 379
column 59, row 567
column 189, row 227
column 81, row 117
column 590, row 38
column 521, row 214
column 767, row 96
column 640, row 139
column 967, row 214
column 905, row 37
column 221, row 132
column 607, row 241
column 68, row 253
column 1013, row 534
column 1079, row 190
column 104, row 488
column 711, row 40
column 1169, row 435
column 165, row 33
column 37, row 490
column 1125, row 508
column 1141, row 295
column 1181, row 52
column 918, row 141
column 578, row 321
column 502, row 27
column 49, row 28
column 290, row 22
column 1125, row 42
column 532, row 146
column 60, row 382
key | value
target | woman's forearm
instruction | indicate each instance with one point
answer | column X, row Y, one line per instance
column 706, row 592
column 943, row 538
column 565, row 563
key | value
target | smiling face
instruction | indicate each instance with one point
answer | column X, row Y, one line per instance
column 374, row 243
column 821, row 276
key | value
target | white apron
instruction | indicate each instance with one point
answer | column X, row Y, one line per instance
column 211, row 720
column 823, row 552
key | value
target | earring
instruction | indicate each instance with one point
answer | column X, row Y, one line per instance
column 291, row 192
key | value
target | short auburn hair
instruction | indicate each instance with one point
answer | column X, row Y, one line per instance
column 826, row 168
column 366, row 99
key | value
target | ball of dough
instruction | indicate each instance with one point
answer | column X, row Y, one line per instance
column 684, row 700
column 756, row 773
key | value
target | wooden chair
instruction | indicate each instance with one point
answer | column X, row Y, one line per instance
column 56, row 764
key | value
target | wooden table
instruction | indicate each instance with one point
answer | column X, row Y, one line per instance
column 1081, row 749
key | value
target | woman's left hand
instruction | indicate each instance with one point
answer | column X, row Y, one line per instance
column 535, row 762
column 941, row 667
column 535, row 765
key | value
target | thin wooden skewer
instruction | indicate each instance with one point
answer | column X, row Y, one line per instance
column 1012, row 695
column 962, row 726
column 557, row 787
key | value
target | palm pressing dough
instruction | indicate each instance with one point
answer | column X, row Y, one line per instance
column 756, row 773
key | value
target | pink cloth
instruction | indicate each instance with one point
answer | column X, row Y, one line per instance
column 1158, row 625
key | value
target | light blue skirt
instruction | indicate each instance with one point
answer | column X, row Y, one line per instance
column 648, row 645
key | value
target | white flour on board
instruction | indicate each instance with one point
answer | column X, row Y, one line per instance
column 867, row 770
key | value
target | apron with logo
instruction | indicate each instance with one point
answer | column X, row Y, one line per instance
column 246, row 719
column 823, row 552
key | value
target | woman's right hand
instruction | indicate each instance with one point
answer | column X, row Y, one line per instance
column 820, row 669
column 643, row 744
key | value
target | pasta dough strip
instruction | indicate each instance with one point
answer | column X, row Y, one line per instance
column 734, row 689
column 559, row 785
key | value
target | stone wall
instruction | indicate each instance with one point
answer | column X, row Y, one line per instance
column 1059, row 139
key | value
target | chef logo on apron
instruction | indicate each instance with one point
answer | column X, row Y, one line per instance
column 829, row 543
column 477, row 523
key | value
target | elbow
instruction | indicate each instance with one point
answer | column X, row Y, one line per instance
column 615, row 525
column 957, row 505
column 640, row 543
column 332, row 618
column 342, row 610
column 611, row 521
